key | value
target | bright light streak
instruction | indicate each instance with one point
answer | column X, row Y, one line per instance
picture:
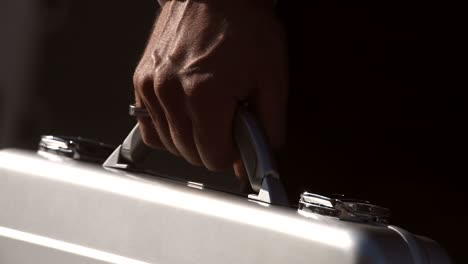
column 67, row 247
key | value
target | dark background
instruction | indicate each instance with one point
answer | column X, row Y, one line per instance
column 80, row 68
column 376, row 112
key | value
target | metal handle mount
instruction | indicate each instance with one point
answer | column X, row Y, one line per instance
column 258, row 160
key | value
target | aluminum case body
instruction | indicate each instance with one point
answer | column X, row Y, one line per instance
column 58, row 210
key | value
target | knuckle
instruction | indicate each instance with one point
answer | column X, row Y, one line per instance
column 137, row 79
column 198, row 88
column 138, row 74
column 161, row 88
column 163, row 83
column 146, row 89
column 140, row 83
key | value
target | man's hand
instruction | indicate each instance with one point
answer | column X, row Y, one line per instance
column 203, row 58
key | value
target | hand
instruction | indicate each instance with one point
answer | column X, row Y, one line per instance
column 202, row 59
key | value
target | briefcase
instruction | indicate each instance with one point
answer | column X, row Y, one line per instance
column 79, row 201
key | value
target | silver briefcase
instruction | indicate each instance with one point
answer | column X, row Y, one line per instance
column 60, row 205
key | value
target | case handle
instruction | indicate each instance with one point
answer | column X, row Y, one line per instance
column 251, row 142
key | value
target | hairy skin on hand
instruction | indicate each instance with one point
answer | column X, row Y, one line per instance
column 202, row 59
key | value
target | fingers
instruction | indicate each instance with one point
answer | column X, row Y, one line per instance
column 212, row 113
column 148, row 132
column 158, row 117
column 196, row 122
column 196, row 125
column 169, row 126
column 171, row 94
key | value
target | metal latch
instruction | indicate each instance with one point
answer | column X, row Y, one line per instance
column 344, row 209
column 77, row 148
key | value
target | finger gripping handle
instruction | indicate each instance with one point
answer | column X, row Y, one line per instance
column 253, row 147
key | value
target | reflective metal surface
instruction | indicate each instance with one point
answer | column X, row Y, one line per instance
column 66, row 211
column 76, row 147
column 137, row 111
column 344, row 209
